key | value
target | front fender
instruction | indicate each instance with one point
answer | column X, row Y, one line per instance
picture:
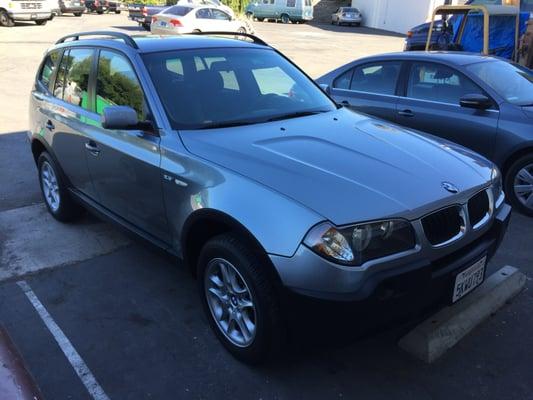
column 277, row 222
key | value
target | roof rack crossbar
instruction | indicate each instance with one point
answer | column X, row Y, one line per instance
column 118, row 35
column 254, row 38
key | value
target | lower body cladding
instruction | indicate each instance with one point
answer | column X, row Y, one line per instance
column 30, row 16
column 391, row 288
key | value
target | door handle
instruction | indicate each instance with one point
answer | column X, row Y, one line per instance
column 50, row 125
column 406, row 113
column 93, row 149
column 345, row 103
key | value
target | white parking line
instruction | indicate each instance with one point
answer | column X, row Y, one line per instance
column 83, row 371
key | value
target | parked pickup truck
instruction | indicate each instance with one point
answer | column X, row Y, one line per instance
column 143, row 14
column 27, row 10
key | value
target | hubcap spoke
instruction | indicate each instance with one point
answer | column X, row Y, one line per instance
column 523, row 189
column 525, row 175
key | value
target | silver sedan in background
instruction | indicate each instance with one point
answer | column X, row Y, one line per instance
column 347, row 16
column 190, row 18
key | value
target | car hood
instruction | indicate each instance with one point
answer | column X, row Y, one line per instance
column 345, row 166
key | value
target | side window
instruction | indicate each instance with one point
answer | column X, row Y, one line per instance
column 220, row 15
column 343, row 81
column 436, row 82
column 203, row 13
column 117, row 84
column 49, row 66
column 291, row 3
column 73, row 77
column 380, row 78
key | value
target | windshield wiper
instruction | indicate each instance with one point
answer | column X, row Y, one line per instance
column 295, row 115
column 227, row 124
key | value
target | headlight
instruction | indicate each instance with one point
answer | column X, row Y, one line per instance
column 357, row 244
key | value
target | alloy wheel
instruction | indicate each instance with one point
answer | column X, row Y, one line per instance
column 50, row 186
column 523, row 186
column 230, row 302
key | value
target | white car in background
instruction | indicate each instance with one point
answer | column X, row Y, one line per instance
column 191, row 18
column 208, row 3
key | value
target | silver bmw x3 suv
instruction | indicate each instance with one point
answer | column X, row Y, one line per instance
column 224, row 153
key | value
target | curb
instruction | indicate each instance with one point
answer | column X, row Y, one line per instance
column 439, row 333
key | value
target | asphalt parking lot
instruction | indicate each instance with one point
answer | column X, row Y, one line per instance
column 132, row 313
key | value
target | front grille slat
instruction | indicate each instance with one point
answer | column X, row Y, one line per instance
column 443, row 225
column 478, row 208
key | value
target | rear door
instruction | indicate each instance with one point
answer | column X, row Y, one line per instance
column 64, row 112
column 370, row 88
column 125, row 164
column 432, row 104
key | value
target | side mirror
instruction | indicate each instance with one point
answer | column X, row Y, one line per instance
column 477, row 101
column 325, row 87
column 119, row 117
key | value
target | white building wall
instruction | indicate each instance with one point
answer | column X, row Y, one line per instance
column 396, row 15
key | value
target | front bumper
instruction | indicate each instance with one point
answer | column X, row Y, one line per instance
column 29, row 15
column 308, row 274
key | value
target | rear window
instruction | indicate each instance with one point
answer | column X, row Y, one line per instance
column 178, row 10
column 73, row 77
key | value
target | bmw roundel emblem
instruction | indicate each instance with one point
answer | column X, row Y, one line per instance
column 450, row 187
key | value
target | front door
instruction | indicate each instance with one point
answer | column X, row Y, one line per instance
column 125, row 165
column 369, row 88
column 432, row 105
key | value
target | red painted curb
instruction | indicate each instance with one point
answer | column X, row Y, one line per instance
column 16, row 383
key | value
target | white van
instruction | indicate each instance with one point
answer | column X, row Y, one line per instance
column 24, row 10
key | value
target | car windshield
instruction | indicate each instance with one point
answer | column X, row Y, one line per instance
column 512, row 82
column 350, row 10
column 213, row 88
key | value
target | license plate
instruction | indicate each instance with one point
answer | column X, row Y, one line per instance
column 469, row 279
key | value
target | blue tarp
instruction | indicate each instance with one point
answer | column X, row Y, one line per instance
column 501, row 33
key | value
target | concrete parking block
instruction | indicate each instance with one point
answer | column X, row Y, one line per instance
column 433, row 337
column 31, row 240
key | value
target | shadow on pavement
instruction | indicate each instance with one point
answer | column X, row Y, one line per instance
column 18, row 175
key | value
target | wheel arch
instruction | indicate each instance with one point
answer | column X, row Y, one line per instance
column 205, row 224
column 515, row 155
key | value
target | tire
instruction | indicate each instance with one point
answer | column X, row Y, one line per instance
column 6, row 20
column 261, row 317
column 520, row 174
column 41, row 21
column 78, row 14
column 196, row 31
column 260, row 19
column 117, row 11
column 285, row 19
column 242, row 29
column 58, row 202
column 99, row 12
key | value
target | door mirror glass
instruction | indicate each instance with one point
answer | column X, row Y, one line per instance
column 119, row 117
column 477, row 101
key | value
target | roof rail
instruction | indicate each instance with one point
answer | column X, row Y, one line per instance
column 118, row 35
column 254, row 38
